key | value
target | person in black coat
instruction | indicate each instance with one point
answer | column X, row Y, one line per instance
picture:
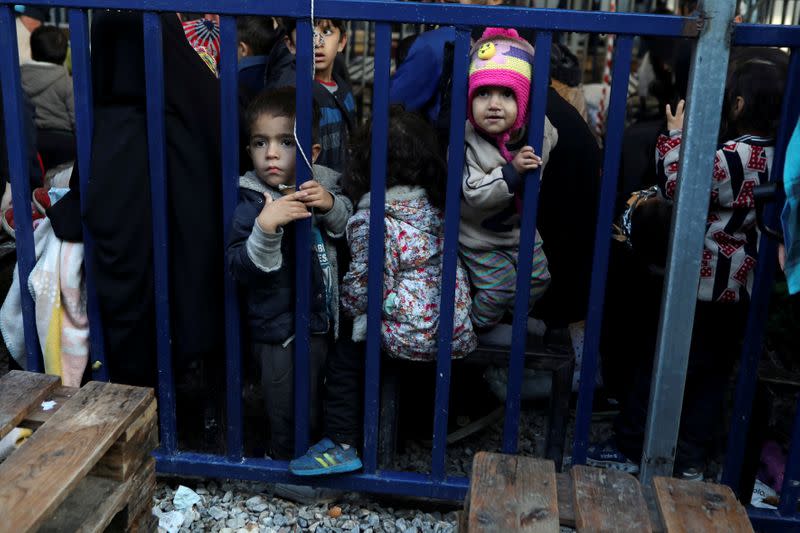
column 118, row 212
column 567, row 214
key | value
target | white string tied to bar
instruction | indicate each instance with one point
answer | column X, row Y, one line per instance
column 317, row 37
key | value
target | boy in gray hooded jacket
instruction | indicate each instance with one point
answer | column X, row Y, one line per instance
column 48, row 84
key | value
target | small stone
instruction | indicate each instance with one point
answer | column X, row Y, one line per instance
column 302, row 522
column 226, row 530
column 335, row 511
column 279, row 520
column 228, row 497
column 256, row 504
column 217, row 513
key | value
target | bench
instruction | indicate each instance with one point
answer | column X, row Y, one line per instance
column 87, row 465
column 515, row 493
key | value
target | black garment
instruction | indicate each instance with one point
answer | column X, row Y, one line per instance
column 55, row 147
column 277, row 385
column 118, row 206
column 344, row 376
column 717, row 334
column 337, row 109
column 568, row 214
column 65, row 215
column 270, row 295
column 29, row 132
column 638, row 165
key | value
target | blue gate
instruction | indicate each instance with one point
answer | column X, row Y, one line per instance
column 713, row 32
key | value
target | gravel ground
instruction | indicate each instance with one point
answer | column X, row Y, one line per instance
column 246, row 507
column 234, row 506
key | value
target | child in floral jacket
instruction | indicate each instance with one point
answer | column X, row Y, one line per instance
column 413, row 251
column 412, row 280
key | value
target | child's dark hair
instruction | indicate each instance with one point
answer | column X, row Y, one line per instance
column 258, row 33
column 760, row 83
column 49, row 44
column 290, row 24
column 413, row 157
column 280, row 103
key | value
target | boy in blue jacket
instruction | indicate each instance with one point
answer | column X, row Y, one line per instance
column 331, row 90
column 261, row 256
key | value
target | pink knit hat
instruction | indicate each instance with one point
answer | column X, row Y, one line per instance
column 501, row 58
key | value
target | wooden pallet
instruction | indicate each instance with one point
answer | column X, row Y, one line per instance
column 514, row 493
column 87, row 466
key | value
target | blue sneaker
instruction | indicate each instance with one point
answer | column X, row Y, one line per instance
column 326, row 457
column 607, row 455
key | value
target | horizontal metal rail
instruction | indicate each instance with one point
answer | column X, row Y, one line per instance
column 419, row 13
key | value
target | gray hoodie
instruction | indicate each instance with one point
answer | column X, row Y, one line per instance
column 49, row 87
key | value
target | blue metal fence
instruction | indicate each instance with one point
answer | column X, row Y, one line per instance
column 437, row 484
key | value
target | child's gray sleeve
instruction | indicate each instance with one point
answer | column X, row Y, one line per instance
column 334, row 222
column 264, row 249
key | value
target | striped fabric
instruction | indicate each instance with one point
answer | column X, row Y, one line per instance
column 493, row 276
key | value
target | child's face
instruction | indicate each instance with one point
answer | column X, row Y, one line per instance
column 328, row 41
column 272, row 149
column 494, row 109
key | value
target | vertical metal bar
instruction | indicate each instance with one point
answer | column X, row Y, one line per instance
column 380, row 127
column 365, row 54
column 785, row 9
column 452, row 213
column 519, row 331
column 302, row 371
column 18, row 155
column 156, row 144
column 602, row 243
column 84, row 124
column 230, row 186
column 704, row 98
column 759, row 304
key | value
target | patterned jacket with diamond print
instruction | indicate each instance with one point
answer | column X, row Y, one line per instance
column 731, row 241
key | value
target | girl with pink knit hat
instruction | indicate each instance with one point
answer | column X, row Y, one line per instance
column 496, row 160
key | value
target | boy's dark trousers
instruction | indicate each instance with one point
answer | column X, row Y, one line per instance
column 277, row 384
column 716, row 337
column 344, row 374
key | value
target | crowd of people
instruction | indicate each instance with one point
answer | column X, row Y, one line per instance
column 260, row 246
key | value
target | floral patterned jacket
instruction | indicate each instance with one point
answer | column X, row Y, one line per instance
column 411, row 280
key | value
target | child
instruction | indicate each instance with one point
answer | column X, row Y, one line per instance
column 415, row 177
column 332, row 92
column 48, row 84
column 256, row 36
column 261, row 256
column 751, row 107
column 496, row 161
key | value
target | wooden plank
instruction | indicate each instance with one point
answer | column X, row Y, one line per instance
column 95, row 502
column 38, row 416
column 146, row 522
column 512, row 493
column 64, row 449
column 652, row 509
column 123, row 458
column 19, row 393
column 689, row 506
column 608, row 501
